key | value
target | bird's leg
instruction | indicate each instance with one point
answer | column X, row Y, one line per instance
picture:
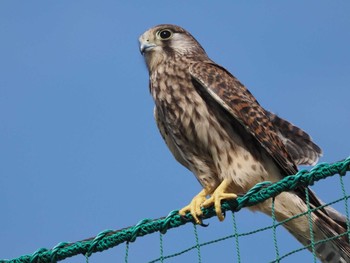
column 196, row 204
column 218, row 195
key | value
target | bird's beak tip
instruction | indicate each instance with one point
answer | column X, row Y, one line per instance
column 144, row 47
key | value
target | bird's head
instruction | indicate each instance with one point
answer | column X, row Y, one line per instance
column 165, row 42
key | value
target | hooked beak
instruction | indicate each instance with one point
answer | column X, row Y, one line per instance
column 144, row 47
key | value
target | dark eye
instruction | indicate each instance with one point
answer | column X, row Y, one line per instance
column 165, row 34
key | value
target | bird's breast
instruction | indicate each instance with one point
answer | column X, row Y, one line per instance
column 190, row 121
column 203, row 133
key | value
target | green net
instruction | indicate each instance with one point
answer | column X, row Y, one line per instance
column 259, row 193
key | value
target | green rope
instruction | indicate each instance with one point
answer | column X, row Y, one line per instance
column 161, row 247
column 235, row 233
column 346, row 205
column 274, row 226
column 111, row 238
column 309, row 246
column 197, row 244
column 258, row 231
column 309, row 216
column 126, row 258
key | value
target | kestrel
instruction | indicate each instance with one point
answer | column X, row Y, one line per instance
column 216, row 128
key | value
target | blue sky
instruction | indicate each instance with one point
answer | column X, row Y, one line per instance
column 80, row 151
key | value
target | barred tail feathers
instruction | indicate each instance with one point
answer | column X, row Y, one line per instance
column 329, row 234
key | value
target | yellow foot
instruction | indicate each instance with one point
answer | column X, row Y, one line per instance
column 218, row 195
column 195, row 206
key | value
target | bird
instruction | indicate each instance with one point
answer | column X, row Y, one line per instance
column 214, row 126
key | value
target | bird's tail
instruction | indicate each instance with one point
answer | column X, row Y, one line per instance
column 330, row 238
column 330, row 234
column 333, row 227
column 329, row 227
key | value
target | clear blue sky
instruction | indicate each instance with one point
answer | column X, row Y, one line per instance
column 80, row 151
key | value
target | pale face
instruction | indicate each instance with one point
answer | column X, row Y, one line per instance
column 165, row 41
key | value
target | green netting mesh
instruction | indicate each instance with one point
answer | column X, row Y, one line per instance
column 259, row 193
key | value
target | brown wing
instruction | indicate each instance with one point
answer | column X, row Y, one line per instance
column 228, row 92
column 298, row 143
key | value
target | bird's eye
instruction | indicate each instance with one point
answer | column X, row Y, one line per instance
column 165, row 34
